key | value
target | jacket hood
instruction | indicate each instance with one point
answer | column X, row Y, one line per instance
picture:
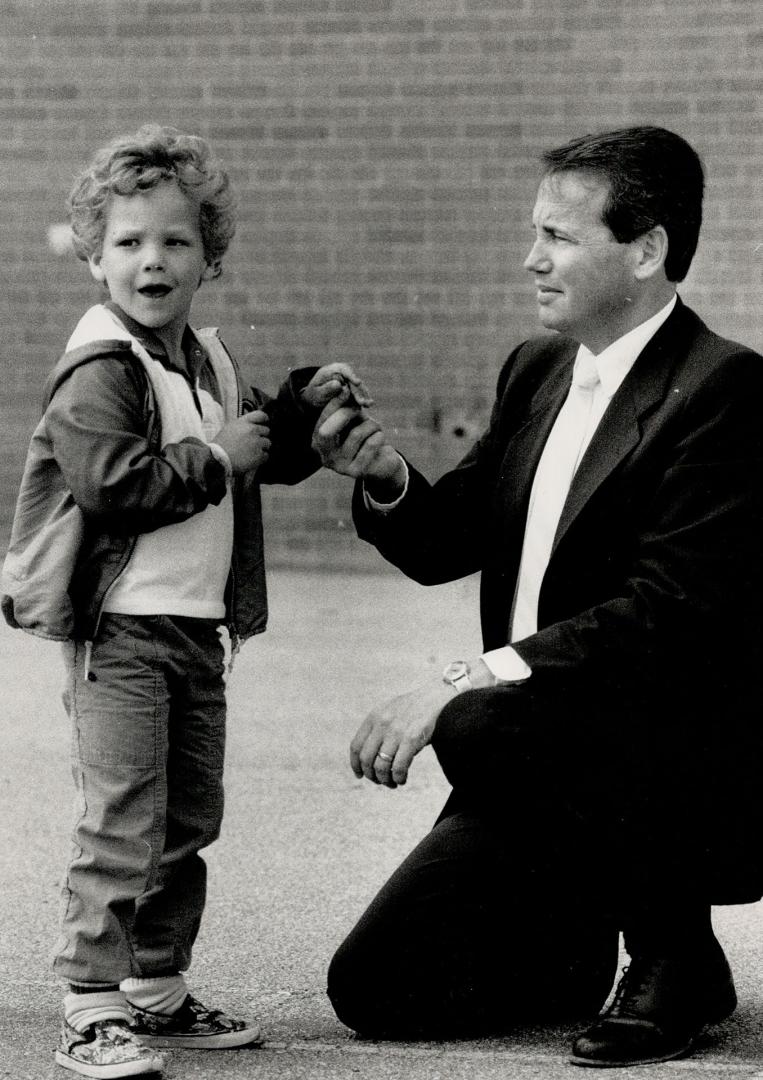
column 98, row 331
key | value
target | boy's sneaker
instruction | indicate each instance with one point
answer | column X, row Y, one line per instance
column 108, row 1048
column 193, row 1026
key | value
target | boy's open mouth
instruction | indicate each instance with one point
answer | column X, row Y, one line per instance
column 154, row 291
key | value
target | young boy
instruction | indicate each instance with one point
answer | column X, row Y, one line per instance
column 137, row 534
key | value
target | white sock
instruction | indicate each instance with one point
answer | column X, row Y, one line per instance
column 82, row 1010
column 163, row 994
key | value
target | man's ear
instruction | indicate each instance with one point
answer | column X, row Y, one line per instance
column 211, row 271
column 651, row 252
column 94, row 262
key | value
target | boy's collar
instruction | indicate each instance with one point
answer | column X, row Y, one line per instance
column 153, row 345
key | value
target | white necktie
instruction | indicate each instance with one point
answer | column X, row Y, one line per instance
column 556, row 468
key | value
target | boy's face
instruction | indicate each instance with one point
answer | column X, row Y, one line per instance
column 152, row 260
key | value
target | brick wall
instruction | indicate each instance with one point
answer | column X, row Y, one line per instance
column 384, row 152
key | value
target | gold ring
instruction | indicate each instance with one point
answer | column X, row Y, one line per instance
column 385, row 757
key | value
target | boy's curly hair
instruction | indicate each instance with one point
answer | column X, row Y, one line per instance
column 132, row 163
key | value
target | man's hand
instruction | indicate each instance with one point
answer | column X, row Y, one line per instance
column 337, row 381
column 246, row 441
column 352, row 443
column 390, row 737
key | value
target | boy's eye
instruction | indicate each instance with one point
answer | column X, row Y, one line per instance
column 177, row 241
column 127, row 241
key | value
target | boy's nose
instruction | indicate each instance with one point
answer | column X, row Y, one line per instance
column 152, row 259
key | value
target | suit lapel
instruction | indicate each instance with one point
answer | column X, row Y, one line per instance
column 525, row 446
column 620, row 430
column 615, row 437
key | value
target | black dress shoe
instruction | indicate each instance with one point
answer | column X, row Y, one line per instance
column 660, row 1007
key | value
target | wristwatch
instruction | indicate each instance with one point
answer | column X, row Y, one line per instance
column 457, row 675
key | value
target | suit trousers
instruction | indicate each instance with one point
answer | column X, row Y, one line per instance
column 485, row 925
column 509, row 910
column 465, row 940
column 148, row 739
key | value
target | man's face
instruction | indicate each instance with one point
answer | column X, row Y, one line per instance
column 583, row 276
column 152, row 259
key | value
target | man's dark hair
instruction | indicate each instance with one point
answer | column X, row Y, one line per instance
column 655, row 178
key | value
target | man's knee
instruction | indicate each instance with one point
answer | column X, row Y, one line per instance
column 465, row 735
column 456, row 722
column 347, row 986
column 338, row 987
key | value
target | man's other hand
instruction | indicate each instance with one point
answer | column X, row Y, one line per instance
column 390, row 737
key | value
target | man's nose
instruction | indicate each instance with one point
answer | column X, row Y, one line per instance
column 537, row 261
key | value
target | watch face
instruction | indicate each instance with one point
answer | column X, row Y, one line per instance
column 456, row 670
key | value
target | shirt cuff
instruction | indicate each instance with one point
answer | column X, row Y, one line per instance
column 507, row 665
column 222, row 457
column 385, row 508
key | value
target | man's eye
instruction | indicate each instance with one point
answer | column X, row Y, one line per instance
column 177, row 241
column 127, row 241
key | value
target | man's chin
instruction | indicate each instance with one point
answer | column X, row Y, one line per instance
column 549, row 320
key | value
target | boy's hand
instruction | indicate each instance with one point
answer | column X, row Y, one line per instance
column 246, row 441
column 336, row 380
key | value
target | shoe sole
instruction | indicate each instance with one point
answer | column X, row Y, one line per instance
column 592, row 1064
column 150, row 1066
column 228, row 1040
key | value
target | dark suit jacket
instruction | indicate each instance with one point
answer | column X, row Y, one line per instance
column 649, row 613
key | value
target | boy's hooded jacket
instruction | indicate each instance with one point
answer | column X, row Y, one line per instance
column 71, row 540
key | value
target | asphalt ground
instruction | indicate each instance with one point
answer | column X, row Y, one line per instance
column 304, row 848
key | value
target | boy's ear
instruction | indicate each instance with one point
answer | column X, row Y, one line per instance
column 211, row 271
column 94, row 262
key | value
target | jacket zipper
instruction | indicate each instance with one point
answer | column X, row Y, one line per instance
column 90, row 676
column 235, row 640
